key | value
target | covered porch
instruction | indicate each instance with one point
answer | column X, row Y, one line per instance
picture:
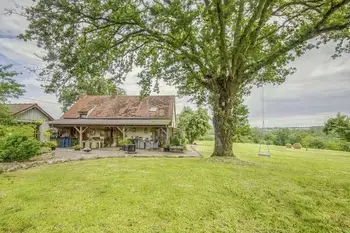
column 96, row 133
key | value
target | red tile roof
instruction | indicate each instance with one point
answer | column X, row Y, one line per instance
column 116, row 107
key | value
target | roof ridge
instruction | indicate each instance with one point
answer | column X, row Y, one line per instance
column 128, row 95
column 22, row 103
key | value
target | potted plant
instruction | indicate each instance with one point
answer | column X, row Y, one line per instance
column 167, row 147
column 76, row 147
column 123, row 143
column 51, row 144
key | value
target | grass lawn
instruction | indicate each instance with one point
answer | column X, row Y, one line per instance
column 293, row 191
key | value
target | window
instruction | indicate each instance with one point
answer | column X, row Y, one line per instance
column 82, row 115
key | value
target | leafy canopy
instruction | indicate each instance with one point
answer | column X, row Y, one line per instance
column 339, row 125
column 70, row 91
column 9, row 88
column 200, row 46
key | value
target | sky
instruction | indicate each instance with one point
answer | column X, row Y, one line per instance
column 317, row 91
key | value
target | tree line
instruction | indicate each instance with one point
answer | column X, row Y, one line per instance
column 334, row 135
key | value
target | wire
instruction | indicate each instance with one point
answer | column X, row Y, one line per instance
column 38, row 100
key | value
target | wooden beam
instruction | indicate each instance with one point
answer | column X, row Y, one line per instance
column 163, row 130
column 77, row 129
column 167, row 133
column 81, row 137
column 119, row 129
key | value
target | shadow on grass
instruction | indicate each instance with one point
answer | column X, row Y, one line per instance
column 230, row 160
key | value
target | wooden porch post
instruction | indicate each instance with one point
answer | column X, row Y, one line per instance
column 167, row 133
column 81, row 136
column 81, row 131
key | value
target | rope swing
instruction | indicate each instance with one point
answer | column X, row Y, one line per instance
column 265, row 152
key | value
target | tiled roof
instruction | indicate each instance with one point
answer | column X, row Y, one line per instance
column 16, row 108
column 116, row 107
column 109, row 122
column 19, row 108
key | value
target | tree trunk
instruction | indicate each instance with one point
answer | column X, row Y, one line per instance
column 223, row 137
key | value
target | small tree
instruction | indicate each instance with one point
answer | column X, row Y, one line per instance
column 9, row 88
column 339, row 125
column 194, row 124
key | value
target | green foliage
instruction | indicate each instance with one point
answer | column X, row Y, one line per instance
column 50, row 144
column 76, row 147
column 318, row 143
column 214, row 51
column 18, row 148
column 9, row 88
column 207, row 137
column 123, row 142
column 5, row 115
column 339, row 125
column 176, row 141
column 68, row 93
column 17, row 129
column 241, row 126
column 193, row 124
column 306, row 140
column 282, row 137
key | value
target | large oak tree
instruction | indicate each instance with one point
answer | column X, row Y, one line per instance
column 214, row 50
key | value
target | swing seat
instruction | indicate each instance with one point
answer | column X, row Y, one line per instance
column 267, row 154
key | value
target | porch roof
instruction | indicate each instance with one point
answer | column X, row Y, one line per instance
column 110, row 122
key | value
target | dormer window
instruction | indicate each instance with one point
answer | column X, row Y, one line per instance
column 153, row 109
column 83, row 115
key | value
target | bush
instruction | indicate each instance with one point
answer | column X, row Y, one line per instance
column 333, row 145
column 297, row 146
column 345, row 146
column 317, row 143
column 175, row 141
column 76, row 147
column 18, row 148
column 123, row 142
column 1, row 170
column 289, row 145
column 50, row 144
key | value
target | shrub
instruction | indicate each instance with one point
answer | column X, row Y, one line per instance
column 317, row 142
column 123, row 142
column 175, row 141
column 297, row 146
column 345, row 146
column 1, row 170
column 289, row 145
column 76, row 147
column 50, row 144
column 333, row 145
column 19, row 148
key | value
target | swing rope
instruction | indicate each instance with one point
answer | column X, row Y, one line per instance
column 263, row 127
